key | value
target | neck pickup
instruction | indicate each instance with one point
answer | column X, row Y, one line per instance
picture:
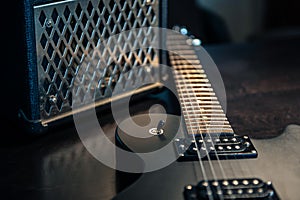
column 215, row 146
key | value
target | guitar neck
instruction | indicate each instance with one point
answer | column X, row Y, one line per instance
column 200, row 106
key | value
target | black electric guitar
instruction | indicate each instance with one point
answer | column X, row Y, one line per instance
column 212, row 161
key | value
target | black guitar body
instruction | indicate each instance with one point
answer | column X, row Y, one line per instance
column 274, row 174
column 205, row 158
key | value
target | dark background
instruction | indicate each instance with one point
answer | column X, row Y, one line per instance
column 217, row 21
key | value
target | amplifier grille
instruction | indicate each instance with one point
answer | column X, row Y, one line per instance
column 68, row 33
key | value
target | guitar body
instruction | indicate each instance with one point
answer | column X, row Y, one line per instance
column 277, row 161
column 234, row 166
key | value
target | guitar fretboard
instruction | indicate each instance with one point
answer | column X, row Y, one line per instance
column 200, row 106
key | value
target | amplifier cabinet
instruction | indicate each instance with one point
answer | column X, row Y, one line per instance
column 61, row 38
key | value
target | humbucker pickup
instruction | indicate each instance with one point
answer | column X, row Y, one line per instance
column 222, row 146
column 231, row 189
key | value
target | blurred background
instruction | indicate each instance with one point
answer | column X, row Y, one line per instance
column 237, row 21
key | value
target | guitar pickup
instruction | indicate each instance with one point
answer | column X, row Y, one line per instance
column 222, row 146
column 231, row 189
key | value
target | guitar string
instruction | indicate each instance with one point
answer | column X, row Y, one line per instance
column 205, row 147
column 217, row 130
column 208, row 131
column 231, row 130
column 226, row 137
column 219, row 191
column 247, row 168
column 209, row 192
column 222, row 170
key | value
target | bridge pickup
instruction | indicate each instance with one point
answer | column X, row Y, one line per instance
column 231, row 189
column 221, row 147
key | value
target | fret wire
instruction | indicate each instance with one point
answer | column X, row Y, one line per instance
column 208, row 112
column 216, row 130
column 180, row 61
column 219, row 119
column 187, row 57
column 201, row 98
column 207, row 117
column 199, row 85
column 202, row 94
column 202, row 89
column 186, row 51
column 207, row 106
column 204, row 97
column 204, row 102
column 220, row 123
column 184, row 76
column 187, row 60
column 210, row 131
column 190, row 62
column 189, row 69
column 194, row 81
column 191, row 76
column 211, row 125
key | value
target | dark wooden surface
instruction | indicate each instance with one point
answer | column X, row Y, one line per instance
column 262, row 84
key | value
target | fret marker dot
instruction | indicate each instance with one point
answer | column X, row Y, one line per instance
column 240, row 191
column 250, row 191
column 237, row 147
column 220, row 148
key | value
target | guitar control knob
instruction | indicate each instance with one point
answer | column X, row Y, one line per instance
column 159, row 129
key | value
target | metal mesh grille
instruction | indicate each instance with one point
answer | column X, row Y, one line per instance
column 68, row 32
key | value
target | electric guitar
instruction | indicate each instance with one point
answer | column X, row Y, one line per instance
column 212, row 161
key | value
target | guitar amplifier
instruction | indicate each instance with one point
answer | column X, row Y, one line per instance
column 60, row 40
